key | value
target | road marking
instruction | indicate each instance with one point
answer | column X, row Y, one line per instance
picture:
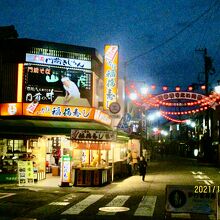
column 82, row 205
column 198, row 172
column 4, row 195
column 59, row 203
column 23, row 218
column 146, row 206
column 114, row 209
column 118, row 201
column 181, row 215
column 201, row 177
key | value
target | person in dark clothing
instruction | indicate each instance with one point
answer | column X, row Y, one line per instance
column 142, row 167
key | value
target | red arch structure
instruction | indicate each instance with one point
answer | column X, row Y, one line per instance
column 175, row 103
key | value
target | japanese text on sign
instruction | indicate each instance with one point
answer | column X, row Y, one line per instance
column 58, row 61
column 93, row 135
column 110, row 75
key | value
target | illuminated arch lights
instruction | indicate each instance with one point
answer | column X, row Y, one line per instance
column 194, row 102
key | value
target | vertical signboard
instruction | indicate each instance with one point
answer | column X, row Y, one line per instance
column 110, row 75
column 66, row 170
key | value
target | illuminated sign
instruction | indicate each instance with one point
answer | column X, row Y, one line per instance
column 92, row 135
column 56, row 111
column 11, row 109
column 110, row 75
column 92, row 145
column 179, row 95
column 20, row 82
column 58, row 61
column 102, row 117
column 52, row 85
column 66, row 169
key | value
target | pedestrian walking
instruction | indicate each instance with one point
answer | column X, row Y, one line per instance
column 129, row 163
column 142, row 167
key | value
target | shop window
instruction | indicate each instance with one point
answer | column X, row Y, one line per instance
column 16, row 146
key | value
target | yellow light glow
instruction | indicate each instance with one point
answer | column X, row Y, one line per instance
column 93, row 89
column 20, row 82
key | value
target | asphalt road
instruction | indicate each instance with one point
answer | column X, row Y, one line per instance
column 130, row 198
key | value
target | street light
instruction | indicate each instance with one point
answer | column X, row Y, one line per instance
column 144, row 90
column 155, row 129
column 191, row 123
column 154, row 116
column 217, row 89
column 133, row 96
column 164, row 133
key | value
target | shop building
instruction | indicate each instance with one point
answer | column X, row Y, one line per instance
column 47, row 91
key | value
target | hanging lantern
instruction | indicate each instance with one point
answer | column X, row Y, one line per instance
column 177, row 88
column 132, row 86
column 190, row 88
column 153, row 87
column 165, row 88
column 203, row 87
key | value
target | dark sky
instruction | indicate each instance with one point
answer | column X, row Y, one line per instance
column 157, row 38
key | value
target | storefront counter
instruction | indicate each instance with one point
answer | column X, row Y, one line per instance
column 91, row 176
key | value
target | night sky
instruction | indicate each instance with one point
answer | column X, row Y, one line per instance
column 157, row 38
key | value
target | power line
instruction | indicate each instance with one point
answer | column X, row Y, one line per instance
column 174, row 36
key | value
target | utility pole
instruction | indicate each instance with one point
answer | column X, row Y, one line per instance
column 208, row 69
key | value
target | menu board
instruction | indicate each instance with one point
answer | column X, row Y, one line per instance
column 25, row 172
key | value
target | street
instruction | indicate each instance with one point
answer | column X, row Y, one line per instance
column 130, row 198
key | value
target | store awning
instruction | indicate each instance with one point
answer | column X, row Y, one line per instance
column 122, row 136
column 45, row 127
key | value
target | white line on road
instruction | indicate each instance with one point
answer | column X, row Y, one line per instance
column 118, row 201
column 146, row 206
column 82, row 205
column 59, row 203
column 4, row 195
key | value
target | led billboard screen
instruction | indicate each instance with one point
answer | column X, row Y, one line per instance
column 54, row 85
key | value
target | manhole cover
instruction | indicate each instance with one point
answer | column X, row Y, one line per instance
column 113, row 209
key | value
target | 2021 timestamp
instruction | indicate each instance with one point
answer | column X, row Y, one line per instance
column 206, row 189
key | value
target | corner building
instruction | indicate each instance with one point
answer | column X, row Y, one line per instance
column 47, row 91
